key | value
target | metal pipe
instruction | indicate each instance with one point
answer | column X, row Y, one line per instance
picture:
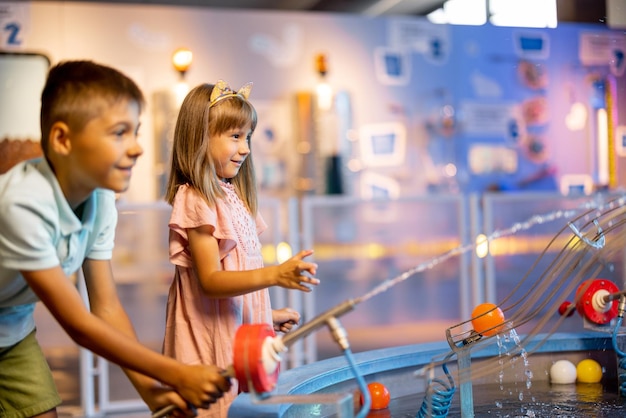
column 307, row 328
column 613, row 296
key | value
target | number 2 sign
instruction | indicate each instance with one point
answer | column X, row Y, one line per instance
column 13, row 21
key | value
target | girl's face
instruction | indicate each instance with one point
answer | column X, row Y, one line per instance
column 229, row 150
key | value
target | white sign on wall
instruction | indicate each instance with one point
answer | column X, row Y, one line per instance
column 604, row 49
column 14, row 22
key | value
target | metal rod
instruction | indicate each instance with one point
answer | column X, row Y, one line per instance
column 307, row 328
column 613, row 296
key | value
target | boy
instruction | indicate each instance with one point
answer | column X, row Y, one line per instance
column 58, row 214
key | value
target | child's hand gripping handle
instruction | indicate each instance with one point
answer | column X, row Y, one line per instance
column 229, row 373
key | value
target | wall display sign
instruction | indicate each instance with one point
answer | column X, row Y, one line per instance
column 531, row 45
column 603, row 49
column 576, row 185
column 392, row 66
column 281, row 52
column 489, row 159
column 487, row 119
column 430, row 41
column 14, row 22
column 383, row 145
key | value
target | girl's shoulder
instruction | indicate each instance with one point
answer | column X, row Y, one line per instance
column 188, row 199
column 186, row 193
column 190, row 203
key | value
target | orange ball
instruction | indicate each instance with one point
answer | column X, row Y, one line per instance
column 379, row 395
column 487, row 319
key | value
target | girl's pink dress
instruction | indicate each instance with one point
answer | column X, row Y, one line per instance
column 199, row 329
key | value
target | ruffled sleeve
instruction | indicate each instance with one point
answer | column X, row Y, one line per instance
column 190, row 210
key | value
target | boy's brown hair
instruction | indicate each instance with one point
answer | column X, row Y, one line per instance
column 76, row 92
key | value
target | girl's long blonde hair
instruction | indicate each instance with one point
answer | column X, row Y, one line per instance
column 191, row 162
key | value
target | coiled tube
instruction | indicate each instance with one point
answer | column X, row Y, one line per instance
column 438, row 396
column 621, row 355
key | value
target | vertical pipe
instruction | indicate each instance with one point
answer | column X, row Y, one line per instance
column 477, row 294
column 104, row 395
column 87, row 389
column 297, row 352
column 464, row 358
column 308, row 219
column 490, row 269
column 465, row 234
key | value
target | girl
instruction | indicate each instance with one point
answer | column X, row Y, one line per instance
column 220, row 281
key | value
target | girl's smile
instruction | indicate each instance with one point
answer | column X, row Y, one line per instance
column 229, row 150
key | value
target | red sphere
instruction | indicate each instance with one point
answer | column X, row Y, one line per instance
column 563, row 308
column 379, row 394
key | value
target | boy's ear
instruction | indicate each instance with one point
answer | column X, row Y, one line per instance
column 59, row 138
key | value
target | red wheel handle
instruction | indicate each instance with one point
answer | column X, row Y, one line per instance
column 248, row 361
column 587, row 306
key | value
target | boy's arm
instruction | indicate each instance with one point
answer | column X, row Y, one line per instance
column 108, row 333
column 105, row 304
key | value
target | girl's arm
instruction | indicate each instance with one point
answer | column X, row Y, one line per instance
column 107, row 332
column 218, row 283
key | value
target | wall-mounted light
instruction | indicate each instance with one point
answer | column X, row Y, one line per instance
column 324, row 95
column 181, row 60
column 323, row 90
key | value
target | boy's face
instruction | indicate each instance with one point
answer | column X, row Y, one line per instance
column 106, row 149
column 229, row 150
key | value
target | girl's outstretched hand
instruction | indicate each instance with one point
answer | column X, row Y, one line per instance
column 291, row 272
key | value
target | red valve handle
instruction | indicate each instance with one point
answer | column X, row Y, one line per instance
column 587, row 305
column 248, row 358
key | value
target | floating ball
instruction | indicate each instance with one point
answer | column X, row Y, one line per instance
column 563, row 372
column 589, row 371
column 379, row 394
column 485, row 319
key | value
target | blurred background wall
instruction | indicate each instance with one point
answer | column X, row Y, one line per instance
column 415, row 108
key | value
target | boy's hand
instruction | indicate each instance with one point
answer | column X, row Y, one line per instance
column 291, row 272
column 285, row 319
column 158, row 397
column 202, row 386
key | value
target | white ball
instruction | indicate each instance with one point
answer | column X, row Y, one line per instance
column 563, row 372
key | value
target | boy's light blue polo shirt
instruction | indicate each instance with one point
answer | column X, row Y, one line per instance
column 39, row 230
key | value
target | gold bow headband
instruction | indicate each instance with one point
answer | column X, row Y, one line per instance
column 222, row 91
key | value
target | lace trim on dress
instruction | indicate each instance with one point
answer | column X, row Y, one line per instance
column 243, row 222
